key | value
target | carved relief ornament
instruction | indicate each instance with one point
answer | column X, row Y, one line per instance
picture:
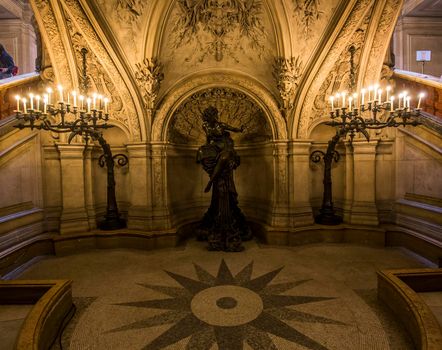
column 149, row 76
column 287, row 72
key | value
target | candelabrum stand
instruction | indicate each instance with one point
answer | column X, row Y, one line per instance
column 349, row 122
column 87, row 123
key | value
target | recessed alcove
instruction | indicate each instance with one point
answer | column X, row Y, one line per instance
column 186, row 179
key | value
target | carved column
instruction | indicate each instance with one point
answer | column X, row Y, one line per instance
column 89, row 187
column 364, row 209
column 280, row 212
column 160, row 210
column 299, row 199
column 140, row 211
column 349, row 179
column 73, row 217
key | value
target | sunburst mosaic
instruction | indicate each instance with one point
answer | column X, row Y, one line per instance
column 228, row 310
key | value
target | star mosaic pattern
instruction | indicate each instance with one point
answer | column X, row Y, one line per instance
column 228, row 310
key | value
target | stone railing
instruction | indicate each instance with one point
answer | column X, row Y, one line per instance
column 18, row 85
column 415, row 83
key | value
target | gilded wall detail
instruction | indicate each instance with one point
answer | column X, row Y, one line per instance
column 59, row 57
column 307, row 12
column 287, row 72
column 149, row 76
column 353, row 22
column 235, row 108
column 126, row 20
column 219, row 27
column 103, row 73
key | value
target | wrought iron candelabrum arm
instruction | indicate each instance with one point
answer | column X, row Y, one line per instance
column 89, row 125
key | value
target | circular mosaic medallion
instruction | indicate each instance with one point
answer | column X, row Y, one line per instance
column 226, row 306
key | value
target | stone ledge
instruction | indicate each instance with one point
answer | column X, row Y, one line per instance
column 397, row 288
column 53, row 303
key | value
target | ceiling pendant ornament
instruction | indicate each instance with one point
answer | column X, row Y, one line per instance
column 307, row 11
column 287, row 72
column 219, row 27
column 149, row 76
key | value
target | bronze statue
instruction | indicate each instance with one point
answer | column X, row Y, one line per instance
column 224, row 225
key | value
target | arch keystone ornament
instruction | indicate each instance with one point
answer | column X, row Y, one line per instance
column 228, row 310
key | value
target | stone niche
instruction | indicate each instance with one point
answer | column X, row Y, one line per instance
column 186, row 179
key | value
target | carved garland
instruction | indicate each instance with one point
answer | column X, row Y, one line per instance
column 356, row 15
column 128, row 111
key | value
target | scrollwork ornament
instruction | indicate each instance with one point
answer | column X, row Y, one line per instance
column 287, row 72
column 149, row 76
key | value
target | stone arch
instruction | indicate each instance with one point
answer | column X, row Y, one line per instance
column 229, row 79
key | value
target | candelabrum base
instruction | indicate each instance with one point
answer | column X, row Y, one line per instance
column 109, row 224
column 328, row 217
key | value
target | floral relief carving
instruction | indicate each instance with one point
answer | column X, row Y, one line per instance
column 235, row 108
column 307, row 12
column 47, row 16
column 219, row 27
column 308, row 115
column 287, row 72
column 149, row 76
column 102, row 71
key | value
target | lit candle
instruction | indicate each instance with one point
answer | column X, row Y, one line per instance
column 106, row 100
column 388, row 92
column 355, row 99
column 408, row 101
column 88, row 105
column 331, row 101
column 392, row 103
column 45, row 102
column 94, row 99
column 404, row 94
column 370, row 89
column 350, row 100
column 74, row 95
column 24, row 105
column 60, row 91
column 337, row 96
column 380, row 96
column 31, row 99
column 17, row 98
column 81, row 102
column 420, row 98
column 362, row 96
column 399, row 100
column 49, row 90
column 343, row 99
column 38, row 98
column 100, row 102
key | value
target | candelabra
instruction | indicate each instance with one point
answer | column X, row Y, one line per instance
column 88, row 119
column 347, row 116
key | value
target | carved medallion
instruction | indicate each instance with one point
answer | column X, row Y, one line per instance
column 219, row 27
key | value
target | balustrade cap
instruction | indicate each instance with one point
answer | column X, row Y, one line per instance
column 424, row 79
column 18, row 80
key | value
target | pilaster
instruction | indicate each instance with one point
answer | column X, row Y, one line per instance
column 280, row 212
column 89, row 188
column 349, row 182
column 53, row 201
column 160, row 211
column 364, row 209
column 301, row 213
column 140, row 211
column 74, row 217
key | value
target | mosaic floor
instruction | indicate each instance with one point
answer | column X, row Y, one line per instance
column 311, row 297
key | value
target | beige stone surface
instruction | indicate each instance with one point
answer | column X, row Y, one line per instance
column 103, row 281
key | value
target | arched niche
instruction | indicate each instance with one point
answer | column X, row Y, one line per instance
column 321, row 134
column 186, row 180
